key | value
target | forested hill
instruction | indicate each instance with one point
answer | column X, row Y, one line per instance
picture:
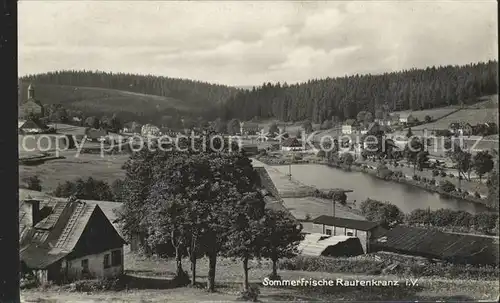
column 344, row 97
column 191, row 92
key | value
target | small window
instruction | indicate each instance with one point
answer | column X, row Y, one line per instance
column 329, row 232
column 349, row 233
column 116, row 258
column 107, row 262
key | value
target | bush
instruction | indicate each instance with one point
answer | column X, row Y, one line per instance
column 466, row 193
column 432, row 181
column 447, row 186
column 435, row 173
column 33, row 183
column 477, row 195
column 451, row 175
column 424, row 179
column 251, row 294
column 98, row 285
column 442, row 173
column 321, row 154
column 415, row 177
column 460, row 177
column 459, row 190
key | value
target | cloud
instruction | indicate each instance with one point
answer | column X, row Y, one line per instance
column 247, row 43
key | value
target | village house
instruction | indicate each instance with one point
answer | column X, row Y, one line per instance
column 291, row 144
column 150, row 130
column 66, row 240
column 406, row 118
column 366, row 231
column 349, row 126
column 31, row 106
column 249, row 128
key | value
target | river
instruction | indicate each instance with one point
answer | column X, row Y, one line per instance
column 404, row 196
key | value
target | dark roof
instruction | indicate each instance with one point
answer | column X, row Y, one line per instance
column 291, row 142
column 343, row 222
column 56, row 234
column 32, row 124
column 440, row 245
column 372, row 127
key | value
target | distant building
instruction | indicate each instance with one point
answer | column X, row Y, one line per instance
column 366, row 231
column 62, row 241
column 291, row 144
column 384, row 122
column 96, row 135
column 406, row 118
column 31, row 106
column 249, row 128
column 349, row 126
column 150, row 130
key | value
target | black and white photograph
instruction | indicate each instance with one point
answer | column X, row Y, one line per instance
column 254, row 151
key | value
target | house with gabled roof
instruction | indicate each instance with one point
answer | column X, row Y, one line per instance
column 349, row 126
column 66, row 240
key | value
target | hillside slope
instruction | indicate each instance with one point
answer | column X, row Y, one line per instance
column 101, row 101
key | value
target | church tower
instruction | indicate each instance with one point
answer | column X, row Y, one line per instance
column 31, row 92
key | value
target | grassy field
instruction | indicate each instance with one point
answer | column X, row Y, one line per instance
column 51, row 173
column 229, row 276
column 435, row 113
column 105, row 101
column 472, row 116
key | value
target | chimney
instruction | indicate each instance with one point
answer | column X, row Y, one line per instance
column 32, row 209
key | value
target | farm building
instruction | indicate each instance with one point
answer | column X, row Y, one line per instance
column 366, row 231
column 68, row 240
column 31, row 106
column 291, row 144
column 349, row 126
column 434, row 244
column 317, row 244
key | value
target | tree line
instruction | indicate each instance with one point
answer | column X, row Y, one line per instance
column 344, row 97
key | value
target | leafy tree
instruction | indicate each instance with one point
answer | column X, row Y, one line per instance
column 428, row 119
column 307, row 127
column 273, row 129
column 412, row 150
column 447, row 186
column 483, row 163
column 115, row 124
column 233, row 126
column 33, row 183
column 244, row 237
column 327, row 124
column 422, row 159
column 385, row 213
column 117, row 187
column 92, row 122
column 347, row 159
column 493, row 189
column 281, row 234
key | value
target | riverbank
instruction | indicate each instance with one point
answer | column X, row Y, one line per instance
column 402, row 178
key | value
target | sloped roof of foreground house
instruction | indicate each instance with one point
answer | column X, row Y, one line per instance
column 56, row 235
column 441, row 245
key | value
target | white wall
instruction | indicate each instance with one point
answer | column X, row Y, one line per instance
column 96, row 266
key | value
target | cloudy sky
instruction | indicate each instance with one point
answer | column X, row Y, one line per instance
column 248, row 43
